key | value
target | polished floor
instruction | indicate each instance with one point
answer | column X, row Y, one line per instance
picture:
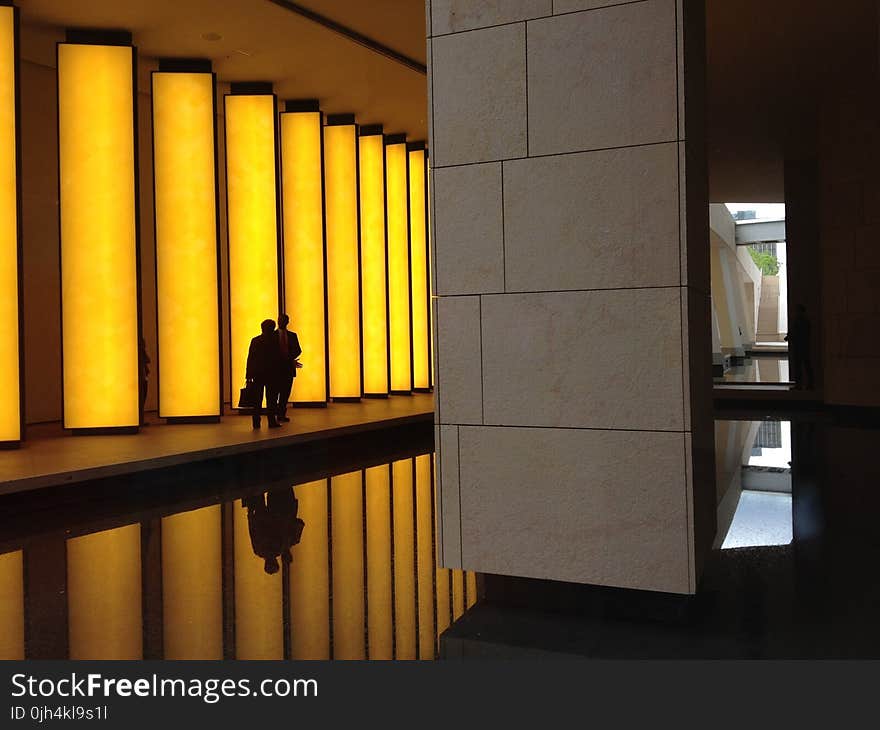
column 759, row 370
column 250, row 565
column 815, row 597
column 51, row 457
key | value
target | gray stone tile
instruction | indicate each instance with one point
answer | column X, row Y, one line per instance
column 453, row 16
column 459, row 370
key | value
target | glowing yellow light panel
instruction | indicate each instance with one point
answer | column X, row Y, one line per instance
column 343, row 288
column 186, row 245
column 404, row 560
column 104, row 594
column 310, row 576
column 192, row 584
column 380, row 631
column 373, row 261
column 304, row 274
column 418, row 220
column 251, row 223
column 399, row 297
column 11, row 606
column 10, row 390
column 347, row 528
column 98, row 236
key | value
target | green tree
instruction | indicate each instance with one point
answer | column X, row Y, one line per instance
column 766, row 262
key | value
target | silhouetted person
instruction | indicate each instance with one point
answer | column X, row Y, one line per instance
column 288, row 343
column 283, row 507
column 264, row 370
column 798, row 339
column 273, row 526
column 143, row 377
column 264, row 536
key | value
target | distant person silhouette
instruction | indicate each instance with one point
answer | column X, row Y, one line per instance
column 273, row 526
column 264, row 370
column 798, row 339
column 288, row 343
column 143, row 377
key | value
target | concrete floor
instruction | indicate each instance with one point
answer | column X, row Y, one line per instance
column 50, row 457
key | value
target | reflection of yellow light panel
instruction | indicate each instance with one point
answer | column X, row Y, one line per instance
column 99, row 297
column 343, row 288
column 347, row 516
column 259, row 629
column 471, row 588
column 11, row 606
column 10, row 390
column 104, row 594
column 251, row 223
column 457, row 594
column 373, row 261
column 379, row 626
column 425, row 555
column 192, row 585
column 418, row 219
column 304, row 273
column 444, row 607
column 404, row 560
column 186, row 244
column 310, row 577
column 398, row 264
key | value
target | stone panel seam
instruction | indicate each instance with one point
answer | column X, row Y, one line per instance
column 460, row 515
column 526, row 52
column 557, row 291
column 561, row 154
column 552, row 15
column 689, row 517
column 482, row 384
column 568, row 428
column 504, row 227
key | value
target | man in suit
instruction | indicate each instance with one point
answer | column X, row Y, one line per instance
column 288, row 344
column 265, row 369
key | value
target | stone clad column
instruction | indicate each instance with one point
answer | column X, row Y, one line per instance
column 571, row 268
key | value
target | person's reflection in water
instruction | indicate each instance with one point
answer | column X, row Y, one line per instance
column 273, row 526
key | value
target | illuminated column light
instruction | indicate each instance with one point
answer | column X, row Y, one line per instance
column 104, row 594
column 399, row 290
column 10, row 244
column 406, row 646
column 252, row 219
column 347, row 528
column 310, row 576
column 99, row 232
column 343, row 257
column 374, row 261
column 421, row 301
column 380, row 630
column 305, row 271
column 185, row 188
column 192, row 584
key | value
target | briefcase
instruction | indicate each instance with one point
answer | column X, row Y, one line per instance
column 250, row 396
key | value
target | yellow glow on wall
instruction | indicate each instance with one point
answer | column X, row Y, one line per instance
column 10, row 396
column 444, row 608
column 398, row 267
column 303, row 220
column 425, row 556
column 11, row 606
column 404, row 560
column 347, row 516
column 380, row 631
column 251, row 223
column 310, row 576
column 343, row 289
column 192, row 585
column 373, row 264
column 98, row 235
column 419, row 267
column 186, row 244
column 259, row 632
column 104, row 594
